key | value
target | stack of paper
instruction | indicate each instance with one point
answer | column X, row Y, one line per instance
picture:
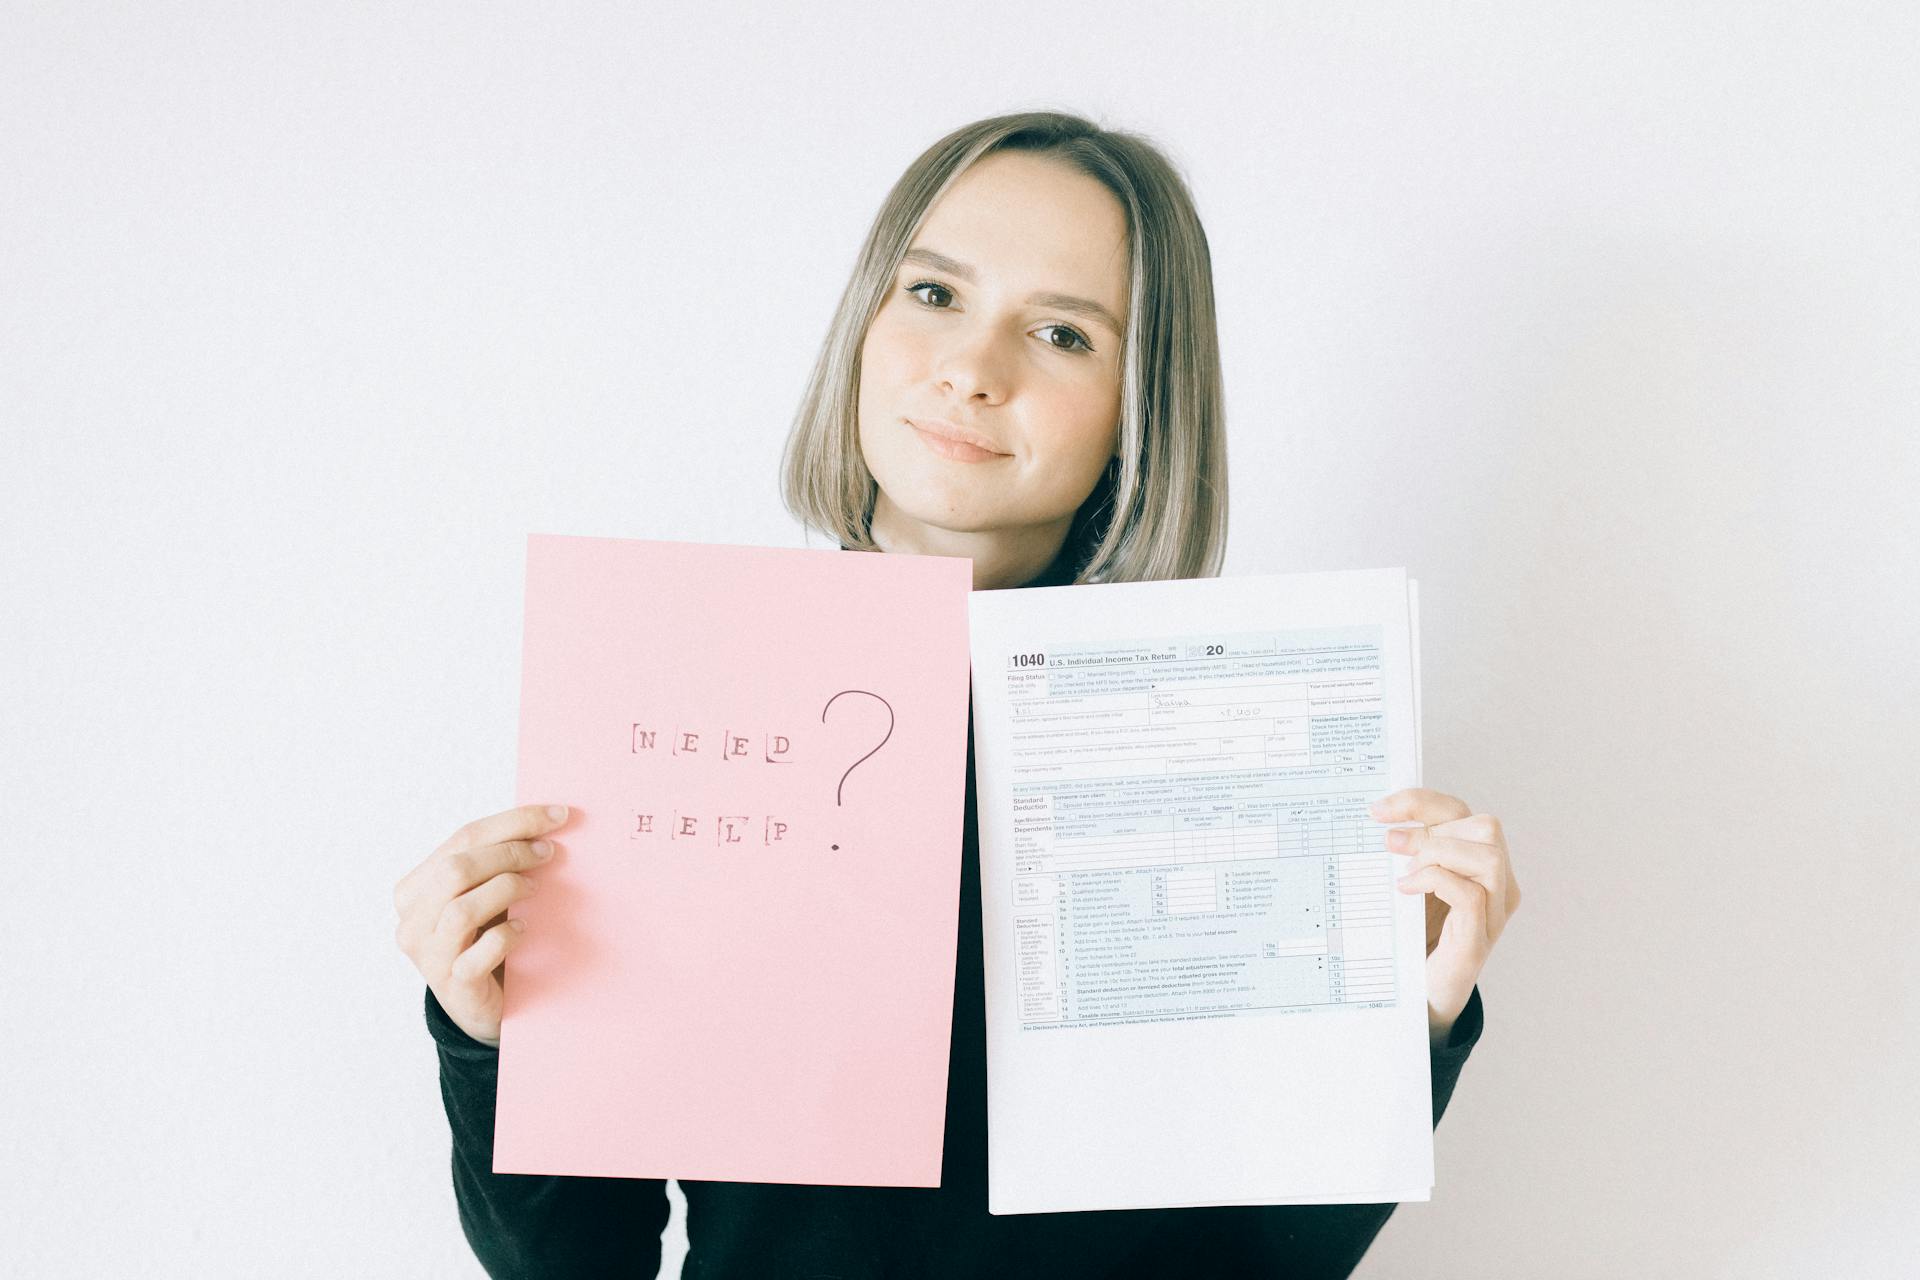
column 1202, row 986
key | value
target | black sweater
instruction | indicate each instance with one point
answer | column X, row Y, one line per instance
column 536, row 1225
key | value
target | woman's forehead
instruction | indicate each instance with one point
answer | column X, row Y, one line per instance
column 1028, row 223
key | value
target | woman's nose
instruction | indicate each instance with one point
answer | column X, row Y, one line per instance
column 974, row 362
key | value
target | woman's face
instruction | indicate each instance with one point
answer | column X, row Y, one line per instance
column 1004, row 324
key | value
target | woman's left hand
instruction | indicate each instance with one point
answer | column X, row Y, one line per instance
column 1460, row 860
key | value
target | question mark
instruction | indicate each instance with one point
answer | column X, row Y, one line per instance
column 883, row 742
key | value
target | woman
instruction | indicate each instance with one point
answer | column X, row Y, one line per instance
column 1023, row 371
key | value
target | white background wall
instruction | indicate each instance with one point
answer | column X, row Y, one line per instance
column 1601, row 319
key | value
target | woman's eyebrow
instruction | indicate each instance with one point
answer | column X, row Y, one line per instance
column 1064, row 301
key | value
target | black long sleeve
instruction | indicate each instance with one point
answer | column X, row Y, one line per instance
column 533, row 1226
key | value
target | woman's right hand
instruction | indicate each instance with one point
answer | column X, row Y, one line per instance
column 453, row 911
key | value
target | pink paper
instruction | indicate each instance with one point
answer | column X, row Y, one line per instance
column 759, row 988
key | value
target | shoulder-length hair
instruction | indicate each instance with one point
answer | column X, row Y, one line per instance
column 1160, row 509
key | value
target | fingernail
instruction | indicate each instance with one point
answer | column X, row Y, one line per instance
column 1378, row 809
column 558, row 812
column 543, row 848
column 1397, row 838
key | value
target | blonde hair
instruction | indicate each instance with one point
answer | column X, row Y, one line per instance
column 1159, row 510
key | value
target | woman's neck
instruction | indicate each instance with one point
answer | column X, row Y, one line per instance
column 1001, row 557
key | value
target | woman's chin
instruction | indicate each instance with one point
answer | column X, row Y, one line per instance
column 952, row 516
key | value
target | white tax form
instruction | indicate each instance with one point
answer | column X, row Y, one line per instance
column 1202, row 987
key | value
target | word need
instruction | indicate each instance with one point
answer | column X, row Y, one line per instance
column 732, row 746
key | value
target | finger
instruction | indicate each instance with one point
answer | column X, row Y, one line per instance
column 422, row 904
column 473, row 912
column 1482, row 828
column 524, row 822
column 1419, row 804
column 420, row 900
column 1454, row 961
column 475, row 965
column 479, row 907
column 1466, row 906
column 464, row 871
column 1483, row 863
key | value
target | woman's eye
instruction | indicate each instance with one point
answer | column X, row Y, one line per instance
column 1075, row 334
column 1079, row 341
column 928, row 284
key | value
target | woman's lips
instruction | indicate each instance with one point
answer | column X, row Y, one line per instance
column 956, row 450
